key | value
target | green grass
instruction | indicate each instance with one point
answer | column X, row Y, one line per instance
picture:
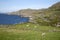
column 23, row 32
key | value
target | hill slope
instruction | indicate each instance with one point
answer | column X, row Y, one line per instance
column 46, row 15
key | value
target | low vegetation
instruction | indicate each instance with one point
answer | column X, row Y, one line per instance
column 29, row 31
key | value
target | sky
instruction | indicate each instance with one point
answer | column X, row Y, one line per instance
column 15, row 5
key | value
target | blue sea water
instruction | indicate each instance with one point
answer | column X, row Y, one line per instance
column 12, row 19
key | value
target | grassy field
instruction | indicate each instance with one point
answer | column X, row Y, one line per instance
column 29, row 31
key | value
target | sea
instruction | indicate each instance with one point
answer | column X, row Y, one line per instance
column 12, row 19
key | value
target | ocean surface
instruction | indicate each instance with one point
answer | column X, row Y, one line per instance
column 12, row 19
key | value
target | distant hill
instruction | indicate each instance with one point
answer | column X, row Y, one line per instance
column 51, row 16
column 30, row 12
column 27, row 12
column 56, row 6
column 42, row 15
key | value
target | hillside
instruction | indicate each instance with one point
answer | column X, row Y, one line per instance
column 42, row 15
column 27, row 12
column 51, row 15
column 30, row 12
column 56, row 6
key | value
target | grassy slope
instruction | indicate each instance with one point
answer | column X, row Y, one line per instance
column 31, row 32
